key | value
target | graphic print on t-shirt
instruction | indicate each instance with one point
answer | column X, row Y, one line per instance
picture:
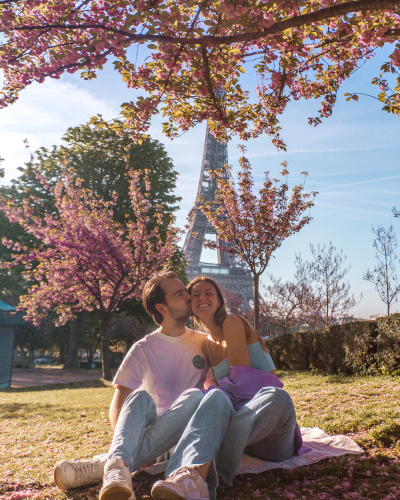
column 199, row 362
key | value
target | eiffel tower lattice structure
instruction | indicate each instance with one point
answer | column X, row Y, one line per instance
column 229, row 272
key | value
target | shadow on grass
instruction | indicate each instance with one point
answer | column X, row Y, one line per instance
column 86, row 384
column 12, row 410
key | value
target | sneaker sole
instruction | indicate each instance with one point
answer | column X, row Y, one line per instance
column 162, row 493
column 57, row 478
column 116, row 493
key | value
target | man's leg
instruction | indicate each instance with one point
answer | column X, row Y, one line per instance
column 139, row 441
column 140, row 436
column 198, row 446
column 264, row 427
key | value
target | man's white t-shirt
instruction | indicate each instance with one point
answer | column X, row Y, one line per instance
column 164, row 366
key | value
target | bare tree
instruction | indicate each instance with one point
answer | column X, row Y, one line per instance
column 325, row 275
column 237, row 304
column 384, row 276
column 288, row 303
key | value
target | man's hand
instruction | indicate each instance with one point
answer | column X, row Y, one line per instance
column 121, row 393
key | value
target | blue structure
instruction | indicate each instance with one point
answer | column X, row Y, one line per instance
column 8, row 323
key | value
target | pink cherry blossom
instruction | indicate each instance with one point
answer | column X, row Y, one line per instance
column 255, row 226
column 85, row 260
column 295, row 50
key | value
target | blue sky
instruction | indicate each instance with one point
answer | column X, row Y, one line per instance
column 353, row 161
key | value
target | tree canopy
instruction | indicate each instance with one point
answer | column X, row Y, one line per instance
column 194, row 53
column 255, row 225
column 85, row 260
column 99, row 158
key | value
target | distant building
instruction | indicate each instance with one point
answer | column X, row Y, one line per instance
column 345, row 319
column 8, row 322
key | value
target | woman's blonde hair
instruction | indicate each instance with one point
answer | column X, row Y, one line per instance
column 221, row 313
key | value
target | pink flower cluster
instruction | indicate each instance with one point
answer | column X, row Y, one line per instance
column 301, row 51
column 85, row 260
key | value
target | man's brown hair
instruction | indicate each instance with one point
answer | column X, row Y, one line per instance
column 154, row 294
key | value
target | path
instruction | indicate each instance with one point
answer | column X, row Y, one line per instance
column 43, row 376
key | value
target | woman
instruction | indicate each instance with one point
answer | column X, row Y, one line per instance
column 264, row 423
column 231, row 340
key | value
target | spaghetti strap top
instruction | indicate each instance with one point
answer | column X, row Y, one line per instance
column 259, row 359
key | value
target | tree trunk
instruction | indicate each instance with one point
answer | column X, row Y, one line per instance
column 90, row 354
column 61, row 354
column 256, row 302
column 106, row 348
column 75, row 333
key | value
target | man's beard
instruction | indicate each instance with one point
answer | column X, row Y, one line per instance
column 180, row 315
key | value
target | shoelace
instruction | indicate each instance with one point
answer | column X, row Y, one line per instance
column 85, row 472
column 113, row 474
column 181, row 472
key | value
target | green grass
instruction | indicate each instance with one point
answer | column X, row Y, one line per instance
column 39, row 426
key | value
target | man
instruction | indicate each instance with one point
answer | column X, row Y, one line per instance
column 157, row 387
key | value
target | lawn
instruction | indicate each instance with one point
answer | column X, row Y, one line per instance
column 39, row 426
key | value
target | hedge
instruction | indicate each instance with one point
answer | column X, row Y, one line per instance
column 359, row 346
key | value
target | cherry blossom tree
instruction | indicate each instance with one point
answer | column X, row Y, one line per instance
column 299, row 49
column 255, row 226
column 85, row 260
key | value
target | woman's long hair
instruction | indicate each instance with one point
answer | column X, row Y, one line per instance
column 221, row 313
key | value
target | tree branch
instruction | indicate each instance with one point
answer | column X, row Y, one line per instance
column 207, row 76
column 293, row 22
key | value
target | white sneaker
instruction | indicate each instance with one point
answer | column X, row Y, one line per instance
column 117, row 482
column 184, row 484
column 70, row 474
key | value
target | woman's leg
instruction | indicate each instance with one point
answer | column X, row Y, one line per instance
column 192, row 461
column 277, row 443
column 204, row 433
column 269, row 417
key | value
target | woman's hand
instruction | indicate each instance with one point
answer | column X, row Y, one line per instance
column 210, row 381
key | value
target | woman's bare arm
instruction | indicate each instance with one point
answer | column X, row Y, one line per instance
column 236, row 341
column 235, row 337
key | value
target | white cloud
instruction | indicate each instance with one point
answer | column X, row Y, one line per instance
column 42, row 115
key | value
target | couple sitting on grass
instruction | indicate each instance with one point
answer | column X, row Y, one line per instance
column 163, row 400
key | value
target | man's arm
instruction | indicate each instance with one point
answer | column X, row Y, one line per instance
column 121, row 393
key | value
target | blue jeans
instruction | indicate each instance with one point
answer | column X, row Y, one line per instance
column 141, row 436
column 205, row 428
column 264, row 428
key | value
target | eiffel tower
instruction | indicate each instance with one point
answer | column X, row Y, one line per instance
column 229, row 272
